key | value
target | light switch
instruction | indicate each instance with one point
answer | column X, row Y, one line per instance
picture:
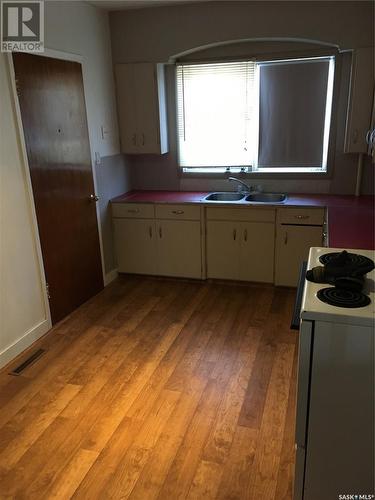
column 104, row 132
column 98, row 159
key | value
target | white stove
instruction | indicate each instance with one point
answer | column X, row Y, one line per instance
column 314, row 309
column 335, row 397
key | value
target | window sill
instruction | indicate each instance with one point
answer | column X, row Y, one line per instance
column 282, row 173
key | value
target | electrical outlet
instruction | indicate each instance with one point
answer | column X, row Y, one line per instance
column 98, row 159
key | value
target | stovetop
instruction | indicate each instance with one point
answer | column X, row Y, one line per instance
column 315, row 309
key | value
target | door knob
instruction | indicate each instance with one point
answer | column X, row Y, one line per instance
column 93, row 197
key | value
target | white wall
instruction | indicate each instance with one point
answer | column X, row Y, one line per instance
column 82, row 29
column 23, row 315
column 78, row 28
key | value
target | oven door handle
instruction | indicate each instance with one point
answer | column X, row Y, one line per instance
column 298, row 303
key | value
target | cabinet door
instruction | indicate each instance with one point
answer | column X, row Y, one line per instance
column 179, row 248
column 360, row 101
column 257, row 250
column 292, row 248
column 126, row 107
column 135, row 245
column 222, row 246
column 146, row 96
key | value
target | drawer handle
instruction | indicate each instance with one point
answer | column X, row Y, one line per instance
column 133, row 210
column 302, row 216
column 234, row 234
column 178, row 212
column 245, row 235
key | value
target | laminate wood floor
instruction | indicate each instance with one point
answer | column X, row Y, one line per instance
column 156, row 389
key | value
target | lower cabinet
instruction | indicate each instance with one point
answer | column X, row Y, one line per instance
column 166, row 240
column 179, row 248
column 240, row 250
column 158, row 246
column 135, row 245
column 297, row 231
column 222, row 250
column 257, row 249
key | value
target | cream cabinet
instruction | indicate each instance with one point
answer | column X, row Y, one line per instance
column 158, row 239
column 135, row 245
column 179, row 248
column 141, row 105
column 257, row 249
column 297, row 231
column 240, row 247
column 222, row 250
column 360, row 100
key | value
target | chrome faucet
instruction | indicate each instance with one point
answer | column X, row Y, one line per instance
column 242, row 187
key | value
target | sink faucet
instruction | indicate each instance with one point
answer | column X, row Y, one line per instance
column 242, row 186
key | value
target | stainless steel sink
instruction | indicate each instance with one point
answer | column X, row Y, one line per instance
column 266, row 198
column 225, row 196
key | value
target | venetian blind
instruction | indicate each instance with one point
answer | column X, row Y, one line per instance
column 217, row 108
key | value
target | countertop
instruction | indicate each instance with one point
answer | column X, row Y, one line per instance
column 350, row 218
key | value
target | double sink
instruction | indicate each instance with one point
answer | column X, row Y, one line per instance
column 250, row 198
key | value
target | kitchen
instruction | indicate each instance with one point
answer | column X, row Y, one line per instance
column 179, row 378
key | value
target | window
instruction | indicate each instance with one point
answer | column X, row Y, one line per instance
column 259, row 116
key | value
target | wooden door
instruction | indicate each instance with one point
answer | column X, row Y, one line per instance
column 135, row 243
column 52, row 104
column 223, row 249
column 292, row 248
column 257, row 250
column 179, row 248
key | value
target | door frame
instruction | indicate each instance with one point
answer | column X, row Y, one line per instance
column 66, row 56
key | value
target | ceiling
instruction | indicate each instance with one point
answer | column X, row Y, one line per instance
column 135, row 4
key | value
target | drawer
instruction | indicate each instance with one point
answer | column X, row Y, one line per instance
column 183, row 212
column 309, row 216
column 133, row 210
column 248, row 214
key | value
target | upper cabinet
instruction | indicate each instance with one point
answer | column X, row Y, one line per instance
column 360, row 103
column 141, row 104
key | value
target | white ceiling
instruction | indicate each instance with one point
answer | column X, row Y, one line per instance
column 135, row 4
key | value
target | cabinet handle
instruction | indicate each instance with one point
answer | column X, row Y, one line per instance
column 245, row 235
column 150, row 231
column 234, row 234
column 302, row 216
column 133, row 210
column 160, row 232
column 178, row 212
column 286, row 238
column 134, row 139
column 143, row 139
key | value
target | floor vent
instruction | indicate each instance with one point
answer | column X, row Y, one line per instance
column 31, row 359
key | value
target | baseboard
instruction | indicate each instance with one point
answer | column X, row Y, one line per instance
column 111, row 276
column 24, row 342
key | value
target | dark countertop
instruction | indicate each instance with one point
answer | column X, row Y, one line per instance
column 350, row 218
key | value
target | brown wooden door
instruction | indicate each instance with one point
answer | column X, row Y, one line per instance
column 52, row 103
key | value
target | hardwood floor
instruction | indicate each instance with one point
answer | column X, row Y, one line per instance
column 156, row 389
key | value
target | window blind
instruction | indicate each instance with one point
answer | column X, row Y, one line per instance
column 294, row 113
column 217, row 108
